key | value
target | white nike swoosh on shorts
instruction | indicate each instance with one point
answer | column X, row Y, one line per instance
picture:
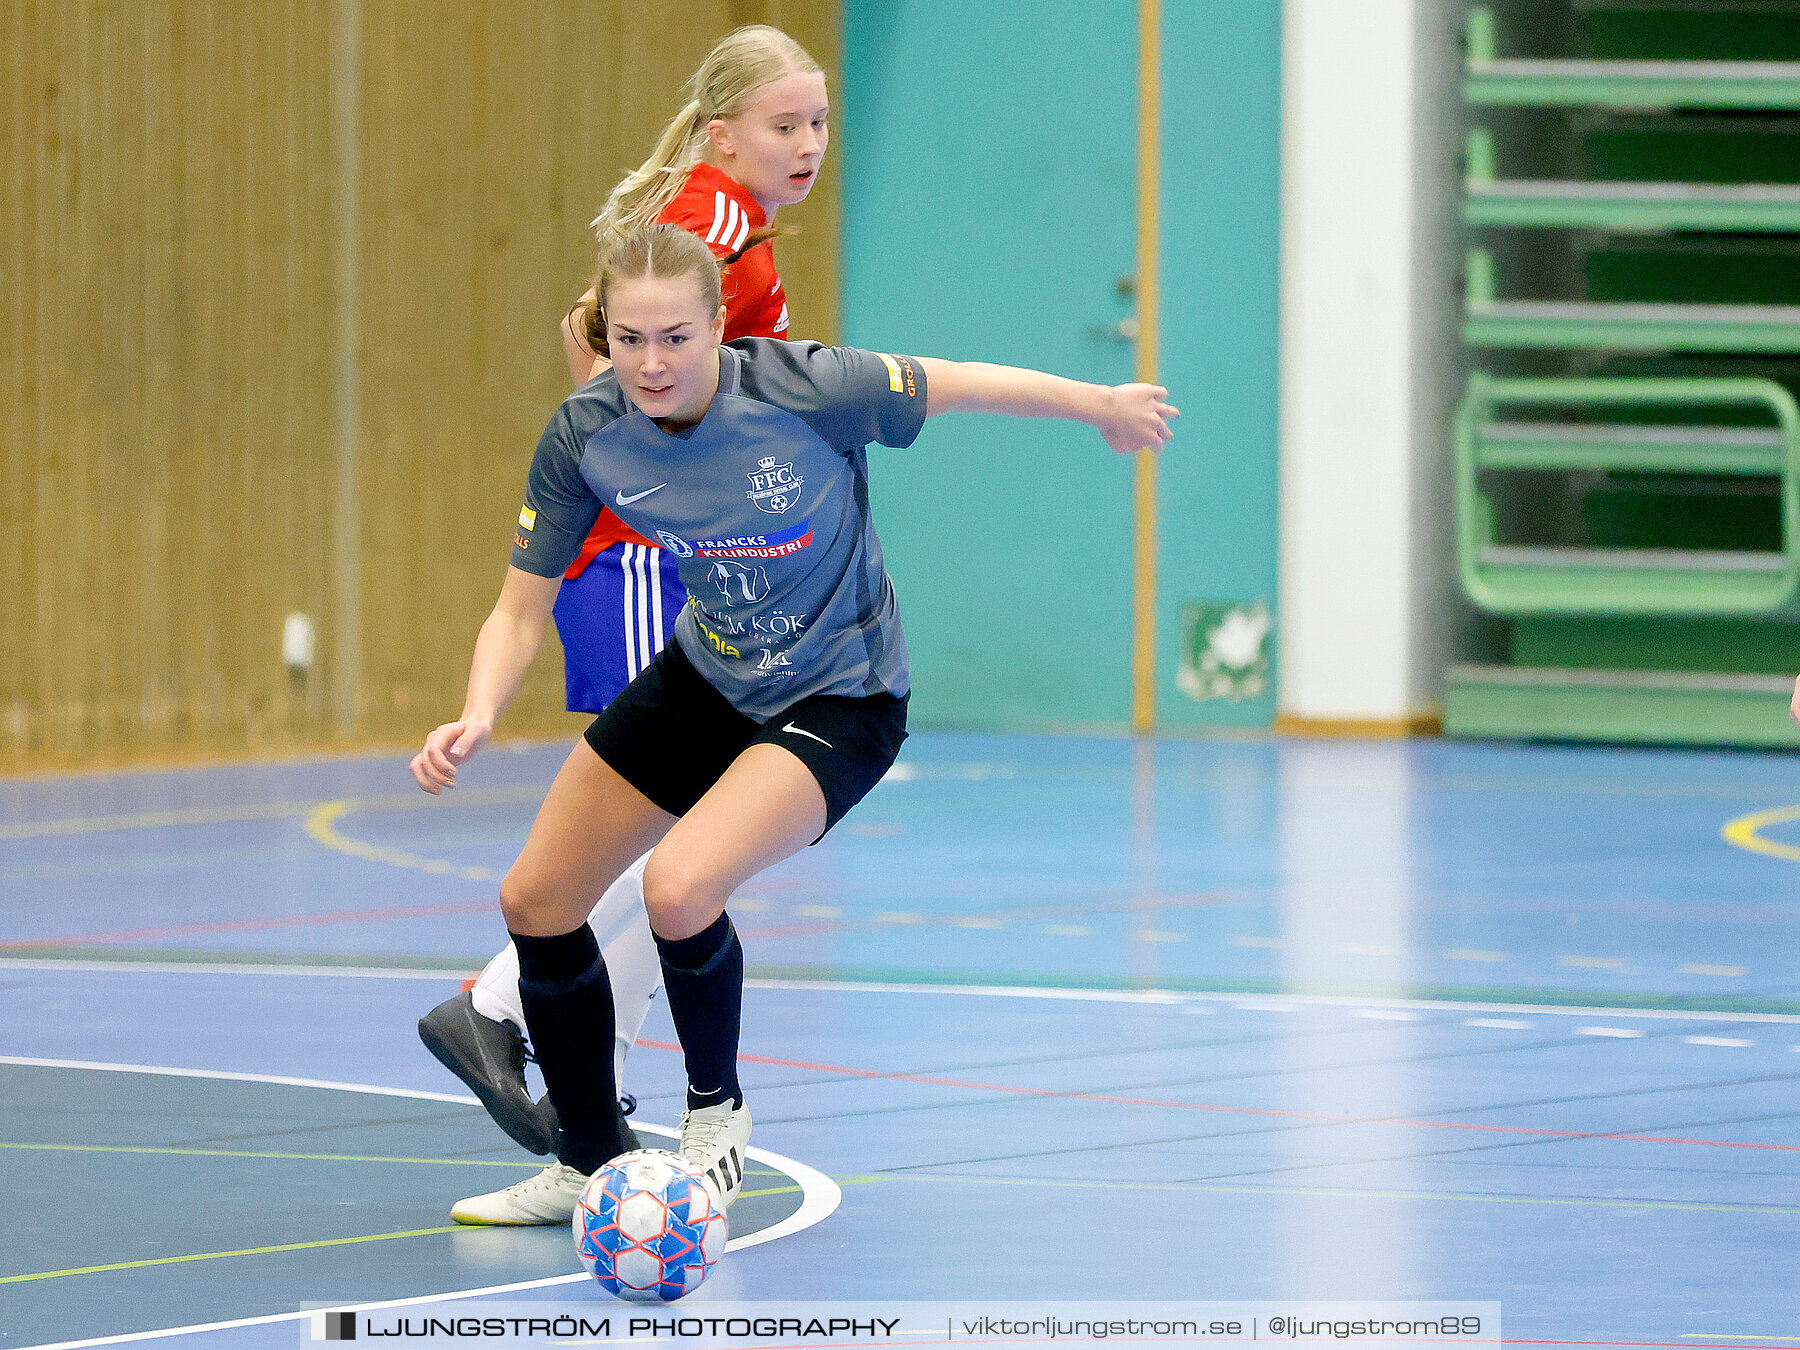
column 623, row 500
column 809, row 736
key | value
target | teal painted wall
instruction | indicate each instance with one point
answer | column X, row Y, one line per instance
column 989, row 190
column 1220, row 261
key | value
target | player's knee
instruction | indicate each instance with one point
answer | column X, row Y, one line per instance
column 680, row 898
column 526, row 908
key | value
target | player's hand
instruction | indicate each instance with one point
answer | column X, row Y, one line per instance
column 1794, row 707
column 446, row 749
column 1137, row 418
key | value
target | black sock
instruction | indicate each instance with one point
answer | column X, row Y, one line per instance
column 568, row 1002
column 704, row 975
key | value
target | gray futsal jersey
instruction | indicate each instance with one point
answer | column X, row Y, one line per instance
column 764, row 505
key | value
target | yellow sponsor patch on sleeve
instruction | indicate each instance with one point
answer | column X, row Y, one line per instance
column 527, row 518
column 896, row 381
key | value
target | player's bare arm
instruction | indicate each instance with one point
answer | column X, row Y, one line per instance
column 504, row 651
column 1129, row 416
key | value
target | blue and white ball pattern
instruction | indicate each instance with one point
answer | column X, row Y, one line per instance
column 649, row 1227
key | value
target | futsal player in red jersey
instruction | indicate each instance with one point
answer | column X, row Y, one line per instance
column 774, row 154
column 748, row 142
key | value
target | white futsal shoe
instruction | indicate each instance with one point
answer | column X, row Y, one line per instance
column 715, row 1139
column 547, row 1198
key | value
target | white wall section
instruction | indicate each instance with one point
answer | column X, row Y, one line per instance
column 1369, row 355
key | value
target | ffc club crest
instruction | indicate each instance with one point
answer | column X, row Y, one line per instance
column 774, row 487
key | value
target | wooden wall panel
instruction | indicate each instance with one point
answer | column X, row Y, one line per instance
column 175, row 236
column 160, row 491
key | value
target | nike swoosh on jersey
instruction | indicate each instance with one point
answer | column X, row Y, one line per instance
column 639, row 496
column 809, row 736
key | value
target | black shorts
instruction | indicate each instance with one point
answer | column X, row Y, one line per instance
column 671, row 735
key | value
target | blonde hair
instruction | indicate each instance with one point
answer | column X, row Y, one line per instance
column 743, row 62
column 663, row 251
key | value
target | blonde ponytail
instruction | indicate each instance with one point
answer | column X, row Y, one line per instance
column 742, row 63
column 641, row 194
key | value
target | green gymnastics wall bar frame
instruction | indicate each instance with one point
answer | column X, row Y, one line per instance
column 1556, row 204
column 1531, row 580
column 1640, row 706
column 1536, row 83
column 1677, row 645
column 1619, row 326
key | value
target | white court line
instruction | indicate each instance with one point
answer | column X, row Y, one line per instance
column 161, row 1071
column 203, row 968
column 819, row 1198
column 1262, row 1002
column 200, row 1327
column 1258, row 1002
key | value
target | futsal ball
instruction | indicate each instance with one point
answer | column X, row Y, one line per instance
column 649, row 1227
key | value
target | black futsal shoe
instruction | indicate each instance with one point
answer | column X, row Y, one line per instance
column 490, row 1057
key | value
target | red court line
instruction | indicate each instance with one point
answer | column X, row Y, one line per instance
column 252, row 925
column 1307, row 1340
column 1146, row 1339
column 1242, row 1110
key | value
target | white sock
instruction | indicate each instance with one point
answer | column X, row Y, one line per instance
column 623, row 932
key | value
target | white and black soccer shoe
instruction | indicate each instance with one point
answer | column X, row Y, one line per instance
column 716, row 1139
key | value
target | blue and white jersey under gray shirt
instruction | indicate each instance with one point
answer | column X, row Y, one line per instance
column 764, row 505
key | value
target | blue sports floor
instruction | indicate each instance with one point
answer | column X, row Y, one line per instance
column 1045, row 1018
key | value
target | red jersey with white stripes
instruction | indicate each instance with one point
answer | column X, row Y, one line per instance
column 716, row 207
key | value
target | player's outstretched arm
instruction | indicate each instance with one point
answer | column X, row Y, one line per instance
column 1130, row 416
column 508, row 643
column 1794, row 707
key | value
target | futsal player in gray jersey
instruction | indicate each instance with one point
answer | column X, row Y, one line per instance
column 781, row 700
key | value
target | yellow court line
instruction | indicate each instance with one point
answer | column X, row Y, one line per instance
column 297, row 1157
column 1351, row 1194
column 299, row 1246
column 321, row 824
column 215, row 1256
column 1745, row 832
column 320, row 818
column 1147, row 294
column 151, row 820
column 788, row 1190
column 228, row 815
